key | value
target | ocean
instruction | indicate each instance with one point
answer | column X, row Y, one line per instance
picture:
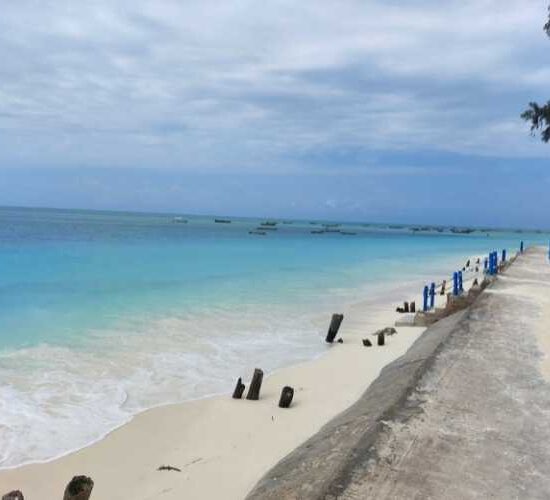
column 106, row 314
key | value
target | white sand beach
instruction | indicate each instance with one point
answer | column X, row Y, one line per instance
column 223, row 446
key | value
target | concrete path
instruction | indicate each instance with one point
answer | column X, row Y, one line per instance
column 465, row 414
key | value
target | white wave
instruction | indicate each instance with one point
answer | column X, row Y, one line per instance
column 61, row 398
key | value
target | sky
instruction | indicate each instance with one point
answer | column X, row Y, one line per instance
column 372, row 110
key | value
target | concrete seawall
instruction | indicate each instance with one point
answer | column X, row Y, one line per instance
column 465, row 413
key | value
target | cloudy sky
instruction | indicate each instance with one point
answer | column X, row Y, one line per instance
column 374, row 110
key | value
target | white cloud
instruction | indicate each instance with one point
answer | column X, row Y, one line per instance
column 241, row 84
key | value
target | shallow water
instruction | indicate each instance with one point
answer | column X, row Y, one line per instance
column 103, row 315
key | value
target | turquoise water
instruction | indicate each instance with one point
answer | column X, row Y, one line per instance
column 105, row 314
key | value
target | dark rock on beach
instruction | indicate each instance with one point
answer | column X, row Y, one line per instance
column 389, row 330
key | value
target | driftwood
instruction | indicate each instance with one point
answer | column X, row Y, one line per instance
column 255, row 385
column 239, row 389
column 286, row 397
column 169, row 468
column 335, row 323
column 367, row 343
column 79, row 488
column 13, row 495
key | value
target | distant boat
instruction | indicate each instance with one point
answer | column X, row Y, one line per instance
column 262, row 233
column 179, row 220
column 350, row 233
column 317, row 232
column 266, row 228
column 222, row 221
column 268, row 223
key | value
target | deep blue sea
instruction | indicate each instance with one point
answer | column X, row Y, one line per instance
column 105, row 314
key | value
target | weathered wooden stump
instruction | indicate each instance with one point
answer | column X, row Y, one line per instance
column 381, row 338
column 405, row 307
column 13, row 495
column 255, row 385
column 79, row 488
column 443, row 285
column 413, row 306
column 335, row 323
column 239, row 389
column 367, row 343
column 286, row 397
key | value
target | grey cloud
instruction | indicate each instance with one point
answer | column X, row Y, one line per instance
column 219, row 84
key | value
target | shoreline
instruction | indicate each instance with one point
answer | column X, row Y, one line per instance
column 307, row 414
column 377, row 293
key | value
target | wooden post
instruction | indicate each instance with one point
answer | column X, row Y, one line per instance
column 443, row 286
column 13, row 495
column 286, row 397
column 79, row 488
column 432, row 295
column 381, row 338
column 413, row 306
column 405, row 307
column 239, row 389
column 335, row 323
column 255, row 385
